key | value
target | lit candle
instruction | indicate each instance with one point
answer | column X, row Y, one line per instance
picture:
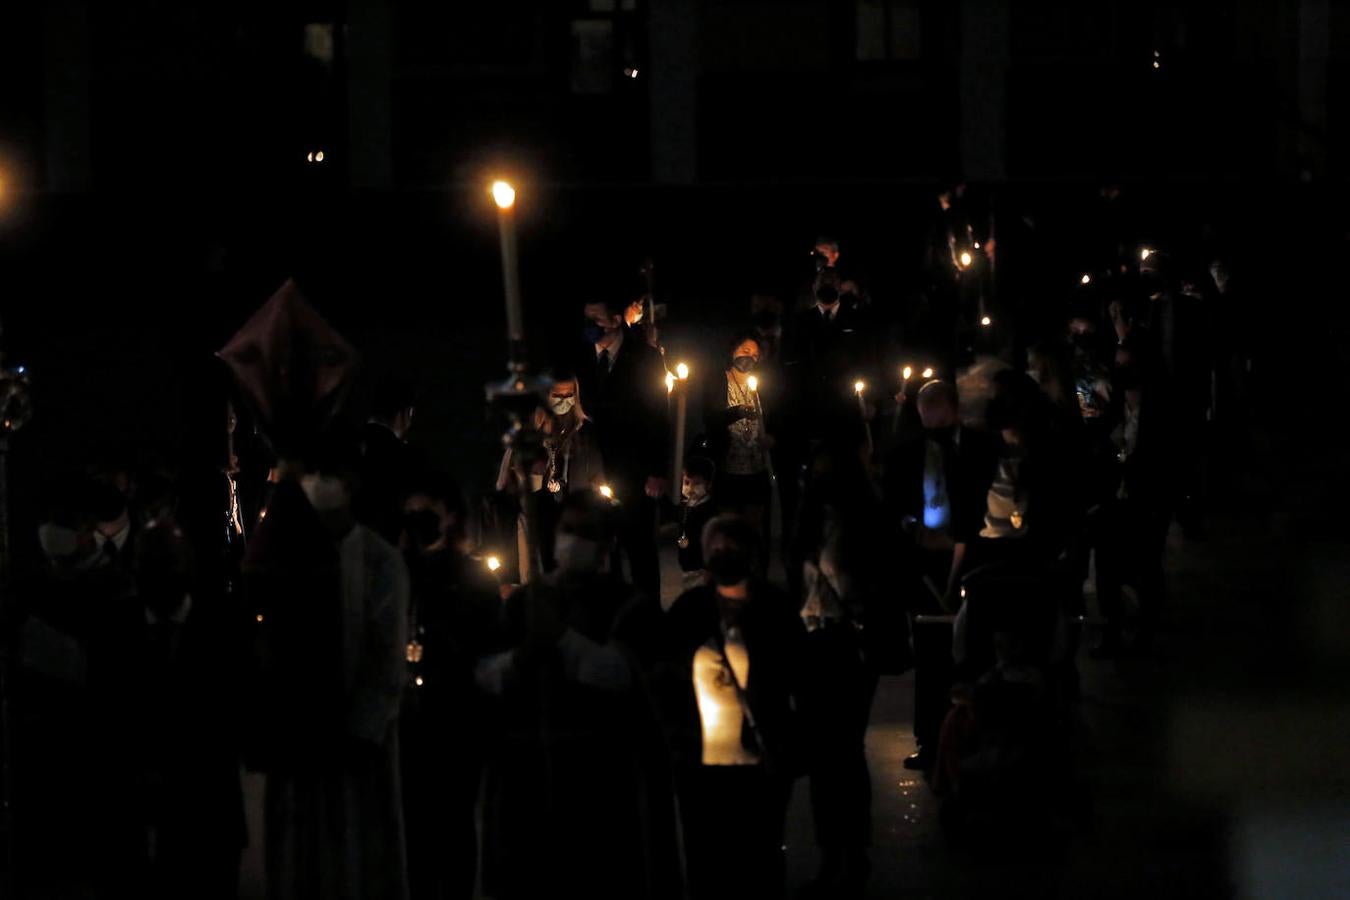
column 986, row 321
column 681, row 387
column 928, row 372
column 493, row 563
column 858, row 387
column 606, row 491
column 966, row 259
column 504, row 195
column 1086, row 279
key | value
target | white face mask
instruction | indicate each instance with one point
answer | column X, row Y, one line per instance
column 561, row 406
column 579, row 555
column 325, row 492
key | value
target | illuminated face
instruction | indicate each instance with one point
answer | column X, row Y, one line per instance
column 634, row 313
column 563, row 390
column 830, row 252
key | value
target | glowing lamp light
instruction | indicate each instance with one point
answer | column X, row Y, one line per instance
column 493, row 563
column 966, row 259
column 670, row 382
column 907, row 373
column 1086, row 279
column 986, row 321
column 681, row 371
column 928, row 372
column 503, row 194
column 606, row 491
column 752, row 382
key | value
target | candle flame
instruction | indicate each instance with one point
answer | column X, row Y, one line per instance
column 681, row 371
column 858, row 387
column 907, row 373
column 752, row 382
column 966, row 259
column 928, row 372
column 503, row 194
column 1086, row 279
column 606, row 491
column 986, row 321
column 670, row 382
column 1145, row 253
column 493, row 563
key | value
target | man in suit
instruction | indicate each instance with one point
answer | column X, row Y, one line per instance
column 388, row 464
column 622, row 383
column 936, row 487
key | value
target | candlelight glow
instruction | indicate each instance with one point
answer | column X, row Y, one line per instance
column 1086, row 279
column 752, row 382
column 1145, row 253
column 928, row 372
column 670, row 382
column 858, row 387
column 493, row 563
column 906, row 373
column 606, row 491
column 966, row 259
column 986, row 321
column 681, row 371
column 503, row 194
column 418, row 681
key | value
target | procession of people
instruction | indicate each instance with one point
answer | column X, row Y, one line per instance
column 459, row 688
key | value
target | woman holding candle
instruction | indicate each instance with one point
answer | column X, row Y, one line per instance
column 738, row 443
column 569, row 461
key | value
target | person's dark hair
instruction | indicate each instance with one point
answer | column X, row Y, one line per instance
column 393, row 394
column 103, row 501
column 734, row 528
column 827, row 240
column 827, row 278
column 1015, row 402
column 700, row 467
column 739, row 338
column 439, row 486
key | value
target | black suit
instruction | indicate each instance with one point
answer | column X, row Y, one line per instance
column 388, row 468
column 627, row 407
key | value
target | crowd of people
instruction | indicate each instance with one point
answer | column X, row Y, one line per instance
column 444, row 696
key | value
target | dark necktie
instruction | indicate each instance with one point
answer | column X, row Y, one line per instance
column 604, row 363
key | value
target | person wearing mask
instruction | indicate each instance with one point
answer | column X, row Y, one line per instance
column 732, row 676
column 696, row 510
column 452, row 614
column 854, row 627
column 328, row 678
column 623, row 381
column 569, row 461
column 387, row 461
column 1032, row 516
column 738, row 441
column 169, row 678
column 577, row 800
column 1133, row 521
column 935, row 488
